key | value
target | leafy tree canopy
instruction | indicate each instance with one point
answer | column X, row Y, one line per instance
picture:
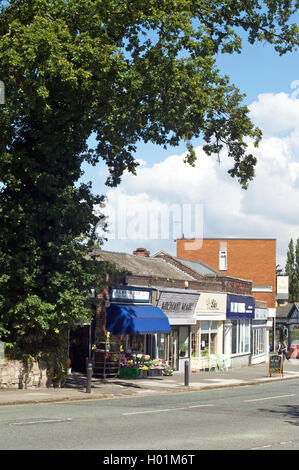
column 125, row 71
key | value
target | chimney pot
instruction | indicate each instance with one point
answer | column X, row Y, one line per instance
column 141, row 252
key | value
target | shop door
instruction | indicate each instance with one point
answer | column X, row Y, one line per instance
column 173, row 349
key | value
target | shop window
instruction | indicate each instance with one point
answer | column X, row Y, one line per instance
column 184, row 341
column 161, row 346
column 294, row 335
column 240, row 336
column 258, row 341
column 208, row 337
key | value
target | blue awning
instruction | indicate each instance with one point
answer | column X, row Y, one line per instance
column 126, row 319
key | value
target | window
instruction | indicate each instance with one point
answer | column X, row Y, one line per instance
column 161, row 346
column 258, row 340
column 184, row 341
column 208, row 337
column 193, row 344
column 223, row 260
column 240, row 336
column 261, row 288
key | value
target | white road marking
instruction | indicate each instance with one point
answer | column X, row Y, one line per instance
column 261, row 447
column 41, row 421
column 269, row 398
column 163, row 410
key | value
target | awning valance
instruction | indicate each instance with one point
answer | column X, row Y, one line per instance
column 128, row 319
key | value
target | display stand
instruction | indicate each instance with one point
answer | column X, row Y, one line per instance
column 106, row 361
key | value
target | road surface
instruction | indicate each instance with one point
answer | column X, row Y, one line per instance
column 262, row 417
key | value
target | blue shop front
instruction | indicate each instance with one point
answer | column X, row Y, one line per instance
column 140, row 327
column 240, row 312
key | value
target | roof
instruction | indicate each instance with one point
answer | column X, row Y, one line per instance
column 142, row 265
column 285, row 310
column 230, row 238
column 198, row 267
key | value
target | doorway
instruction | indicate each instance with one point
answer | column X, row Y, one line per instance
column 173, row 349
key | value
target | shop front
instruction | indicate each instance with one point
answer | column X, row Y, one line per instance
column 207, row 334
column 287, row 327
column 179, row 306
column 237, row 329
column 259, row 336
column 293, row 334
column 138, row 329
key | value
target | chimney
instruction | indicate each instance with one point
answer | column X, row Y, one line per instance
column 141, row 252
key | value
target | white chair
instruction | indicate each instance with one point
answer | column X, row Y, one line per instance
column 220, row 362
column 213, row 363
column 225, row 361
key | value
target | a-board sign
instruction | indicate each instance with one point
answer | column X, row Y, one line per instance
column 275, row 364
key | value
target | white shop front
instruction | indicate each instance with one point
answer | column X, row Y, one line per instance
column 179, row 306
column 259, row 336
column 207, row 334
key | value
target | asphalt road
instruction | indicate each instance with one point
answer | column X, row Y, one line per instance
column 262, row 417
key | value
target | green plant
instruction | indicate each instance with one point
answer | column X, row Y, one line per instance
column 183, row 350
column 167, row 370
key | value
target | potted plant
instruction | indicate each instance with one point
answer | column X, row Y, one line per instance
column 167, row 370
column 183, row 350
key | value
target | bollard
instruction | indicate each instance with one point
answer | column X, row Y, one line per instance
column 186, row 373
column 89, row 375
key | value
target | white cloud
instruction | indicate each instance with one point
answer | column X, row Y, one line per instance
column 269, row 208
column 275, row 113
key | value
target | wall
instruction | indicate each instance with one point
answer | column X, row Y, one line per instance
column 251, row 259
column 13, row 375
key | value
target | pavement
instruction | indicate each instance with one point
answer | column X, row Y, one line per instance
column 75, row 387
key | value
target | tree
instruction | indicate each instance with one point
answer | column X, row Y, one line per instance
column 124, row 71
column 292, row 270
column 296, row 274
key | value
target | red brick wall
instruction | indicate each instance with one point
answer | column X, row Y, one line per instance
column 252, row 259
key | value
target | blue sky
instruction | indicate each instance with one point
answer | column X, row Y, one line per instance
column 265, row 78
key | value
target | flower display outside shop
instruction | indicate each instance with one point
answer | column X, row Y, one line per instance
column 144, row 365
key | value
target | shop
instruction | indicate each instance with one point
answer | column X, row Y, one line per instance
column 287, row 327
column 137, row 330
column 259, row 336
column 237, row 329
column 179, row 306
column 294, row 331
column 207, row 334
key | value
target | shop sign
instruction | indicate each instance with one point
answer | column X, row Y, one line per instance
column 240, row 306
column 130, row 295
column 178, row 307
column 211, row 303
column 261, row 314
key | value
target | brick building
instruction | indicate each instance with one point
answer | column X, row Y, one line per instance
column 252, row 259
column 192, row 294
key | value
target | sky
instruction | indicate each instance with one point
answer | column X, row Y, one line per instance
column 168, row 198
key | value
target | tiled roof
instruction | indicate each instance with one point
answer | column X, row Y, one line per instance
column 142, row 265
column 285, row 310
